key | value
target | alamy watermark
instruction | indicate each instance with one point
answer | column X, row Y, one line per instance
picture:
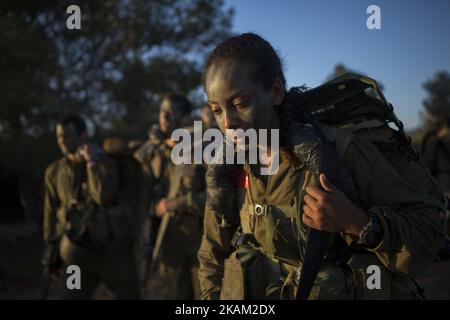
column 373, row 21
column 74, row 20
column 374, row 277
column 74, row 279
column 258, row 146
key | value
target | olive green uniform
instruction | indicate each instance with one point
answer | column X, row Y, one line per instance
column 400, row 197
column 154, row 157
column 97, row 227
column 185, row 184
column 179, row 264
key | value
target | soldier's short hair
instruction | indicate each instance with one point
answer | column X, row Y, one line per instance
column 182, row 101
column 255, row 52
column 76, row 120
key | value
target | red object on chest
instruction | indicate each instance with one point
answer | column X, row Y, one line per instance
column 240, row 179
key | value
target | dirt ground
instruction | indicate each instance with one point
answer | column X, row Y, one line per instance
column 20, row 271
column 20, row 267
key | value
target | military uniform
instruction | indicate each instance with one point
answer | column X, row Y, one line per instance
column 154, row 157
column 266, row 264
column 177, row 259
column 85, row 209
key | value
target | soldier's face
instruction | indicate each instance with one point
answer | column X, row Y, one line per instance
column 68, row 138
column 169, row 116
column 238, row 101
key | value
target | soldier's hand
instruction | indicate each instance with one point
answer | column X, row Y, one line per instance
column 89, row 152
column 329, row 209
column 161, row 208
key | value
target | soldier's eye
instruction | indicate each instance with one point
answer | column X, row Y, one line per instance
column 216, row 111
column 241, row 103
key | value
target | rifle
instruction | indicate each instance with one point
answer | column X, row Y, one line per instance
column 174, row 186
column 158, row 191
column 158, row 226
column 152, row 233
column 159, row 239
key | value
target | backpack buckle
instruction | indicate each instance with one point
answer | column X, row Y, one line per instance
column 258, row 209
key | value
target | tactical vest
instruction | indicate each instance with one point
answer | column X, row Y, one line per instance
column 95, row 226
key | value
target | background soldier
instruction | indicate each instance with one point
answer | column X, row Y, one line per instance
column 180, row 232
column 87, row 217
column 175, row 194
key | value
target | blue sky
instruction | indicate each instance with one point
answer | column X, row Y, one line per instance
column 313, row 36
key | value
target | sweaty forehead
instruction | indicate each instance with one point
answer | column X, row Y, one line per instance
column 223, row 80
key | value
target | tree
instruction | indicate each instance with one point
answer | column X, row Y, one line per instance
column 113, row 70
column 340, row 68
column 437, row 103
column 126, row 54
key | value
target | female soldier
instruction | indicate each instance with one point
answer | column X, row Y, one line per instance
column 256, row 249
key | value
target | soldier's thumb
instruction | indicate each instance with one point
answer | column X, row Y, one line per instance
column 326, row 184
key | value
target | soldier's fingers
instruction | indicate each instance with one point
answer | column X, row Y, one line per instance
column 315, row 191
column 310, row 201
column 306, row 219
column 307, row 210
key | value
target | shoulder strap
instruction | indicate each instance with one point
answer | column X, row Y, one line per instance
column 340, row 137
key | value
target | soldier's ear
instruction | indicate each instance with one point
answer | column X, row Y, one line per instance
column 277, row 92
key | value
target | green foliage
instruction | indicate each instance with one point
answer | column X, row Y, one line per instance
column 341, row 68
column 113, row 70
column 437, row 104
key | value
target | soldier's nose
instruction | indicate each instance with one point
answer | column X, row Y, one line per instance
column 231, row 122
